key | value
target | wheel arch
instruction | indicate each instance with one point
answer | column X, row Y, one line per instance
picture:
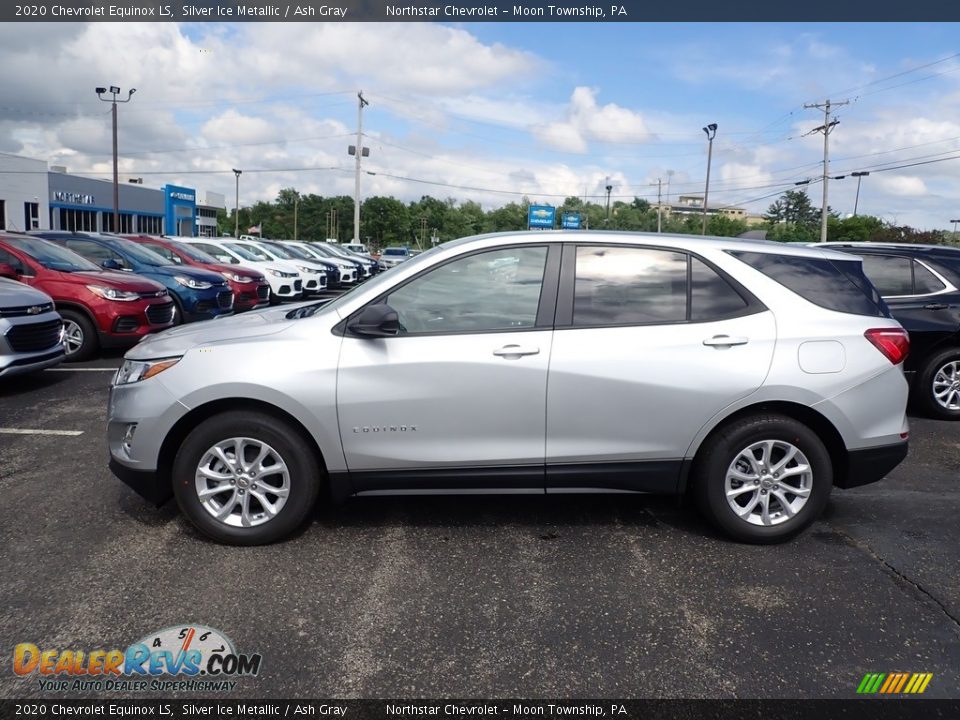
column 77, row 307
column 813, row 419
column 178, row 433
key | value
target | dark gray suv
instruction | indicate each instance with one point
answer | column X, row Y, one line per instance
column 31, row 331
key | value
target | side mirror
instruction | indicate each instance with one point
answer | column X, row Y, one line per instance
column 7, row 271
column 111, row 264
column 379, row 320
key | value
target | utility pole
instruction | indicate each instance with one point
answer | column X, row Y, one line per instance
column 236, row 207
column 359, row 151
column 296, row 203
column 826, row 129
column 955, row 228
column 659, row 183
column 859, row 176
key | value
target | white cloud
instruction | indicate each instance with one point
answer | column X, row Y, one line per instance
column 586, row 120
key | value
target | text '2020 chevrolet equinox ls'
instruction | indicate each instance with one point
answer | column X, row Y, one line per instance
column 754, row 375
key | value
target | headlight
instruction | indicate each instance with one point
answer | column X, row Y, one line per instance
column 305, row 269
column 136, row 370
column 192, row 283
column 281, row 274
column 236, row 278
column 109, row 293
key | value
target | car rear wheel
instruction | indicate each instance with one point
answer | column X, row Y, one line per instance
column 79, row 336
column 763, row 479
column 938, row 385
column 246, row 478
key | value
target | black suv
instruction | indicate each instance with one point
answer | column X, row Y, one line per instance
column 921, row 285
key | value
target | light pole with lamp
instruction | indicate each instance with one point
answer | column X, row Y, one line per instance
column 114, row 91
column 711, row 131
column 859, row 176
column 236, row 205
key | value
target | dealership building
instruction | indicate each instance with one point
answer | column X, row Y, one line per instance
column 35, row 197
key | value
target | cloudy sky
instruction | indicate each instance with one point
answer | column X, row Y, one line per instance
column 496, row 111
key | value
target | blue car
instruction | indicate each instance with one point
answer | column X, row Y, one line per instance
column 198, row 294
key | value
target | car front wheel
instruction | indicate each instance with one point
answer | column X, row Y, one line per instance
column 246, row 478
column 763, row 479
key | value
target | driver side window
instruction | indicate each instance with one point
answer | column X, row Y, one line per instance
column 487, row 291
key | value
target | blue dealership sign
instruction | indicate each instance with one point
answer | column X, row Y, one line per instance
column 570, row 221
column 541, row 217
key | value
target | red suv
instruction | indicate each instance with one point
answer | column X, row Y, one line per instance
column 250, row 288
column 100, row 309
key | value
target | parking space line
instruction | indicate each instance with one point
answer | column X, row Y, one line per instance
column 23, row 431
column 67, row 369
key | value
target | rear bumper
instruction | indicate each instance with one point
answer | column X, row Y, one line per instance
column 146, row 483
column 868, row 465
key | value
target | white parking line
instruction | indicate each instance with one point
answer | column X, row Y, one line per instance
column 22, row 431
column 69, row 369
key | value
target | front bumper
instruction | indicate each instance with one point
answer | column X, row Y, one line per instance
column 33, row 362
column 146, row 483
column 868, row 465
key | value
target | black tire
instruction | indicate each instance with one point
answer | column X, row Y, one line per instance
column 295, row 452
column 923, row 385
column 89, row 343
column 720, row 451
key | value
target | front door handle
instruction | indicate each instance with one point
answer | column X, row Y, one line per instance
column 724, row 341
column 515, row 351
column 935, row 306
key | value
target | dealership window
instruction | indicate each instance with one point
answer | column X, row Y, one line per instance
column 31, row 216
column 126, row 223
column 149, row 225
column 78, row 220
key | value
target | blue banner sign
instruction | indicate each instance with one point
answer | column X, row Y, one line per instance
column 570, row 221
column 541, row 216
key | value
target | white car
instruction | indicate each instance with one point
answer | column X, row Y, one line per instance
column 348, row 270
column 285, row 280
column 314, row 276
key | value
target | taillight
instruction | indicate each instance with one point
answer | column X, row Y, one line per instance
column 894, row 343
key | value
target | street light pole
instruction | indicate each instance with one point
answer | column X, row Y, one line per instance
column 609, row 187
column 236, row 205
column 711, row 131
column 296, row 203
column 114, row 91
column 859, row 176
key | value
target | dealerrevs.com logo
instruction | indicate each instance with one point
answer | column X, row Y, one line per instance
column 180, row 658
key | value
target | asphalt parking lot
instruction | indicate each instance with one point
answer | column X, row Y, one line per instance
column 599, row 596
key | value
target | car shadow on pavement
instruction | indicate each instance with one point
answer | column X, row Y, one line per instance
column 26, row 384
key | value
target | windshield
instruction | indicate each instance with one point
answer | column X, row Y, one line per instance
column 248, row 252
column 277, row 250
column 297, row 252
column 396, row 251
column 140, row 253
column 52, row 256
column 194, row 253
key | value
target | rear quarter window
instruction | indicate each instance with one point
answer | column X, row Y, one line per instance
column 838, row 285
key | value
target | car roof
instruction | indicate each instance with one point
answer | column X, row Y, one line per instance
column 945, row 251
column 669, row 240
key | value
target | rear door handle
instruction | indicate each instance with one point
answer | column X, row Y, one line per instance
column 511, row 351
column 935, row 306
column 722, row 341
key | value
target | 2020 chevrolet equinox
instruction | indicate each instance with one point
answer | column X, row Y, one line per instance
column 755, row 376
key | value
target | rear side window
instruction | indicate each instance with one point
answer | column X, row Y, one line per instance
column 711, row 297
column 892, row 275
column 838, row 285
column 924, row 281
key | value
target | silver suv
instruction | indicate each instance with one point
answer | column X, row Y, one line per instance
column 755, row 376
column 31, row 331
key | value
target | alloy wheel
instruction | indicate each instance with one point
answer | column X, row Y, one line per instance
column 242, row 482
column 768, row 482
column 946, row 386
column 72, row 337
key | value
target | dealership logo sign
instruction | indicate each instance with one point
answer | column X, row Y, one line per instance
column 72, row 198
